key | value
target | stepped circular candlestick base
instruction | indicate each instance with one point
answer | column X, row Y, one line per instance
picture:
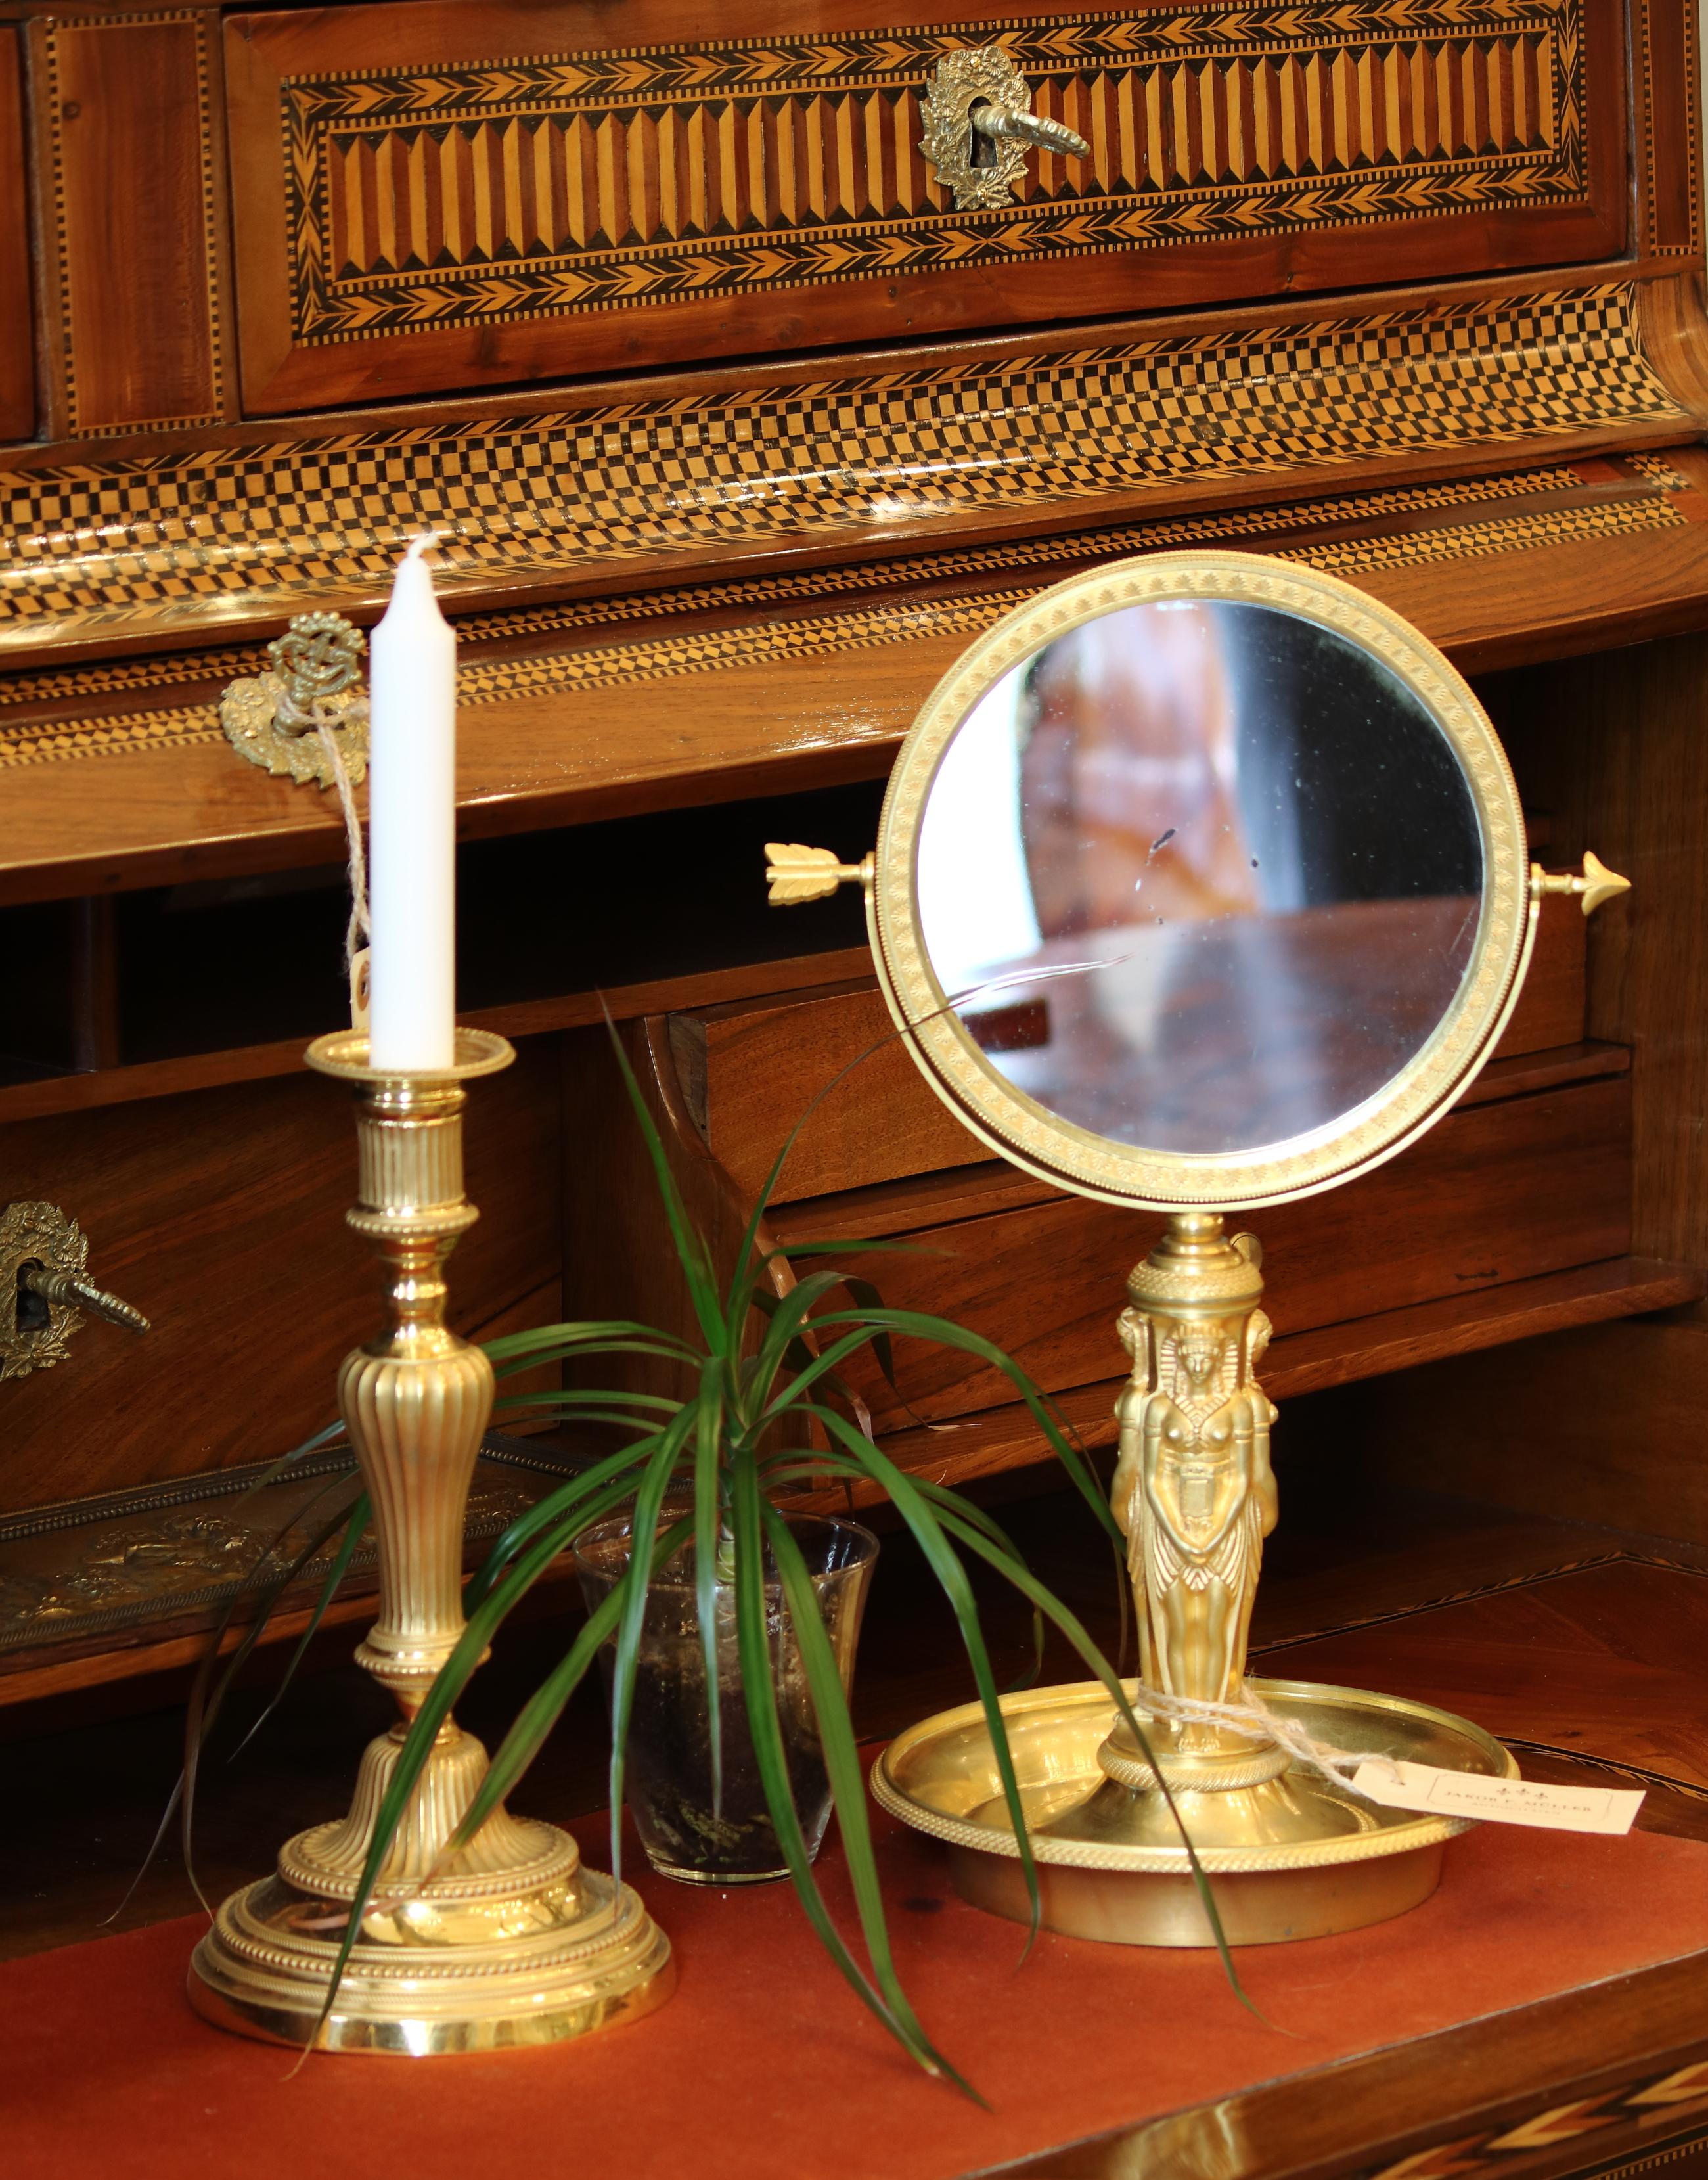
column 1293, row 1856
column 510, row 1942
column 439, row 1974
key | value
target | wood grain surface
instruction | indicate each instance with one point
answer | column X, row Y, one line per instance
column 1507, row 1189
column 127, row 113
column 1593, row 1674
column 100, row 823
column 1613, row 748
column 1557, row 1663
column 1498, row 1193
column 1457, row 1596
column 220, row 1215
column 16, row 322
column 884, row 1121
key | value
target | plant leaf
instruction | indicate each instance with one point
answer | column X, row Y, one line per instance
column 552, row 1509
column 575, row 1333
column 944, row 1563
column 1043, row 1600
column 691, row 1251
column 921, row 1326
column 543, row 1708
column 436, row 1705
column 566, row 1350
column 356, row 1529
column 887, row 2003
column 843, row 1767
column 649, row 1502
column 708, row 1454
column 206, row 1698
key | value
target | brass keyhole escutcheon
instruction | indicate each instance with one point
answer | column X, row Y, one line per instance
column 980, row 126
column 44, row 1290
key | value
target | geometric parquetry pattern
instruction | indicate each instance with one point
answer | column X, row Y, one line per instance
column 664, row 653
column 423, row 197
column 753, row 595
column 172, row 539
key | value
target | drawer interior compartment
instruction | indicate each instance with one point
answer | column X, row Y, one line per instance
column 1504, row 1190
column 747, row 1072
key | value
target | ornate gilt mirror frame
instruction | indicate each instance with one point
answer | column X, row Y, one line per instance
column 1056, row 1149
column 1296, row 1846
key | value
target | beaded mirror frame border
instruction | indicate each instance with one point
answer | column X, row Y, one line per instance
column 1056, row 1149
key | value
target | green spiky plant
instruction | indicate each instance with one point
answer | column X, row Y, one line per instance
column 763, row 1361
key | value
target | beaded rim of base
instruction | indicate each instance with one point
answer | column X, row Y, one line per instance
column 1400, row 1838
column 611, row 1965
column 1191, row 1773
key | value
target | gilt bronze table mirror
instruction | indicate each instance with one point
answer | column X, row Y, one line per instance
column 1200, row 886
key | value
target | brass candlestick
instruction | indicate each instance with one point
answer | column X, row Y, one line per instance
column 509, row 1941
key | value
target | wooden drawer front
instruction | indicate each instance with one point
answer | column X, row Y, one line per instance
column 220, row 1215
column 17, row 358
column 436, row 194
column 747, row 1073
column 133, row 223
column 1497, row 1192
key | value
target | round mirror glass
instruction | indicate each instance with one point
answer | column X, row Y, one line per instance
column 1208, row 875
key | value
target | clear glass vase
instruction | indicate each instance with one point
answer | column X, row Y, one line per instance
column 669, row 1763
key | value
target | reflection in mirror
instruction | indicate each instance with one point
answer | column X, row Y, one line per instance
column 1221, row 866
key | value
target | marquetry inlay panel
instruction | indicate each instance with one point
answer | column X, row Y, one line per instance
column 167, row 542
column 420, row 197
column 845, row 623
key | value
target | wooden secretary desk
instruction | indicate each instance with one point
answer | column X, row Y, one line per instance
column 738, row 429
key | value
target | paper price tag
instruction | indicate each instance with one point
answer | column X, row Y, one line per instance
column 1498, row 1801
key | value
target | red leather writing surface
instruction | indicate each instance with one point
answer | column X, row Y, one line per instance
column 763, row 2067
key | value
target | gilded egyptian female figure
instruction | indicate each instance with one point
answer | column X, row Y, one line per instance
column 1194, row 1493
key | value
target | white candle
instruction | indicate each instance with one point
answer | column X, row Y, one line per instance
column 412, row 825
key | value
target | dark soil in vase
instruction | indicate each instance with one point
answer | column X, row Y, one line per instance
column 668, row 1776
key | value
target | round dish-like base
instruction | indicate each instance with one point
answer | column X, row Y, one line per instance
column 485, row 1975
column 1296, row 1858
column 1258, row 1907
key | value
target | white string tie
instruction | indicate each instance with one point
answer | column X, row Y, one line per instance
column 1254, row 1716
column 356, row 930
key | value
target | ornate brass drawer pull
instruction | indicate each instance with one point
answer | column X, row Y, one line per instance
column 979, row 124
column 312, row 695
column 44, row 1291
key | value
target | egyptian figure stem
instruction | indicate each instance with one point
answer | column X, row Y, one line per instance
column 510, row 1940
column 1193, row 1490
